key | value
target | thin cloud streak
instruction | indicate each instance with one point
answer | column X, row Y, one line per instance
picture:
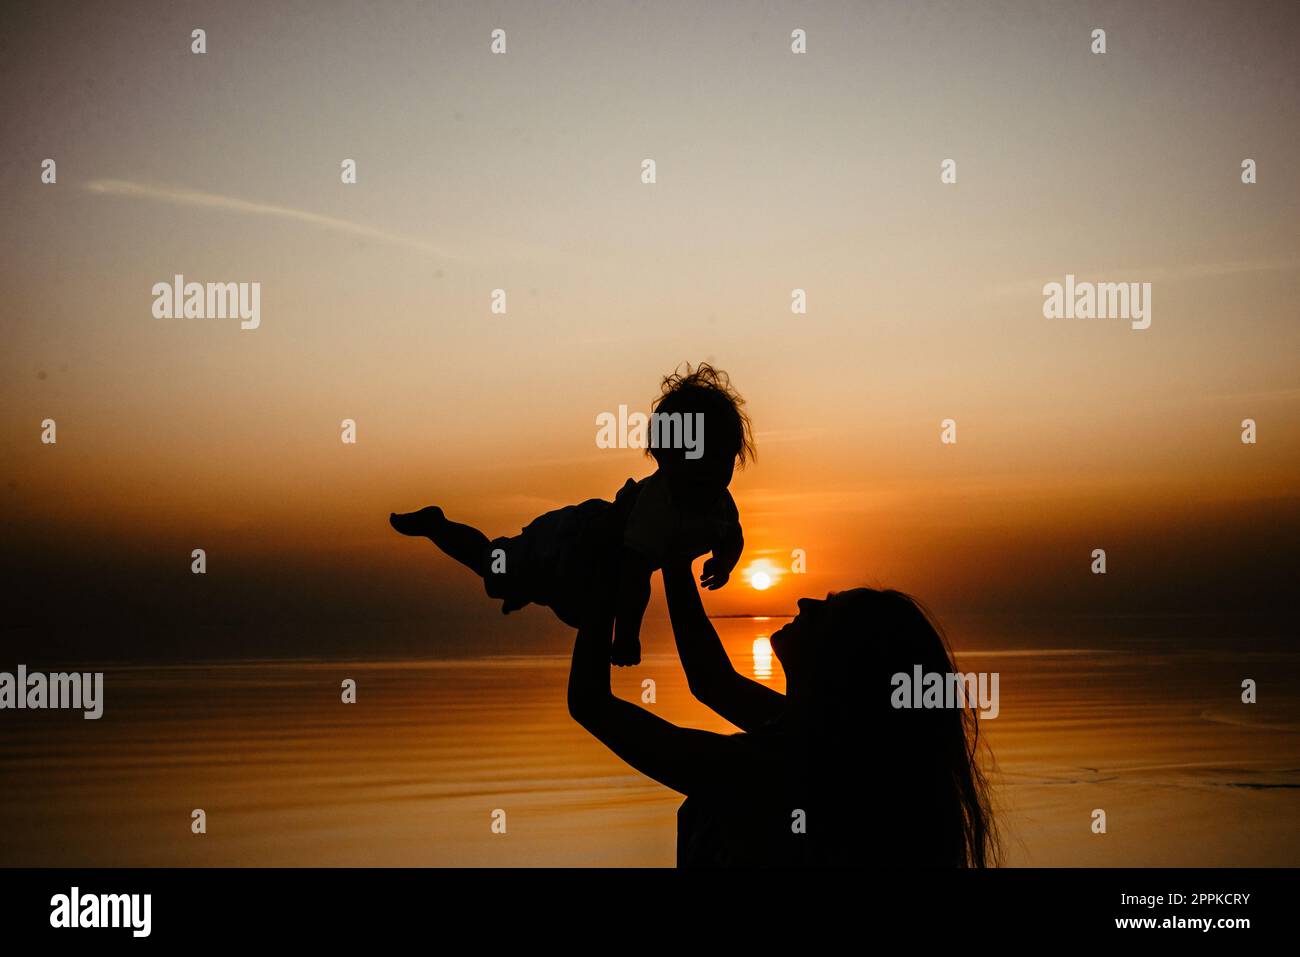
column 189, row 197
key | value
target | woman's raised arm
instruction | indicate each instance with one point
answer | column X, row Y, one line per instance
column 681, row 758
column 709, row 672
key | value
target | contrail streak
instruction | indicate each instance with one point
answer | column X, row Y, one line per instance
column 189, row 197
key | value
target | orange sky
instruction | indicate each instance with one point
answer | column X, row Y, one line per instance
column 775, row 172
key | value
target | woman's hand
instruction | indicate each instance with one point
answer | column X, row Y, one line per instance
column 589, row 670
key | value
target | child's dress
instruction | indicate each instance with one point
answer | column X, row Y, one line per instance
column 561, row 559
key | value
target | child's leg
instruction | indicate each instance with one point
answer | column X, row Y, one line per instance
column 464, row 543
column 632, row 599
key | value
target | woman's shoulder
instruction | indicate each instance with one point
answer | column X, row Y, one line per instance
column 749, row 758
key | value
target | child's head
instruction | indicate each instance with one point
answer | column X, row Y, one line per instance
column 700, row 467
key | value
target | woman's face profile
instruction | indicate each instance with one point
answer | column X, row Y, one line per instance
column 790, row 641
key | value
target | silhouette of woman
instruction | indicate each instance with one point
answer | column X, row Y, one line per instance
column 828, row 774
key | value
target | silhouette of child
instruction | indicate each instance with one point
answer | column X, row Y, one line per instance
column 564, row 559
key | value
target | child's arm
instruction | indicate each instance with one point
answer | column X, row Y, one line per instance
column 726, row 550
column 631, row 600
column 718, row 566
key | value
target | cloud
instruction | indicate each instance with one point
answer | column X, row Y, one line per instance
column 190, row 197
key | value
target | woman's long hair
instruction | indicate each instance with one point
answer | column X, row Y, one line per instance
column 916, row 772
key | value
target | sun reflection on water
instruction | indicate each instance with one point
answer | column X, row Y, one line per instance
column 762, row 657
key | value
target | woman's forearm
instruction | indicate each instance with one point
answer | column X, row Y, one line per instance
column 703, row 658
column 589, row 684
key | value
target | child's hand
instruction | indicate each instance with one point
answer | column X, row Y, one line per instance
column 716, row 573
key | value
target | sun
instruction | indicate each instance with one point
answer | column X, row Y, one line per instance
column 762, row 574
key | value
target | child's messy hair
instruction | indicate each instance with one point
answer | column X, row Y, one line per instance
column 708, row 390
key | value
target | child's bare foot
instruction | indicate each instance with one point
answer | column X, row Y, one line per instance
column 625, row 651
column 422, row 522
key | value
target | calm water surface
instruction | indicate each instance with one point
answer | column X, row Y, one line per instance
column 412, row 773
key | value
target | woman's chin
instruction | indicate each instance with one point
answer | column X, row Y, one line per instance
column 778, row 639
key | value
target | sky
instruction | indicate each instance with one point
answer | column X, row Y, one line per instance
column 522, row 171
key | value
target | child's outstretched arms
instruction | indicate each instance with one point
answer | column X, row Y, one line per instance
column 631, row 600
